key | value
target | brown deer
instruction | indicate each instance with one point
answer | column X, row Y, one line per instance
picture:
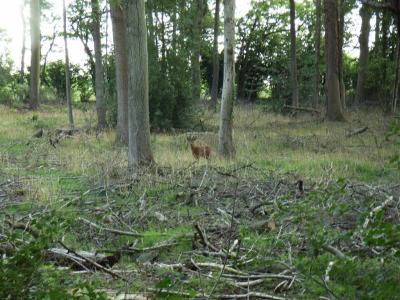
column 199, row 150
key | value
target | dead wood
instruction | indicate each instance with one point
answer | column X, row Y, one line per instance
column 90, row 263
column 357, row 131
column 204, row 239
column 22, row 226
column 115, row 231
column 303, row 109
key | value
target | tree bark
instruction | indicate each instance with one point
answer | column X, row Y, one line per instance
column 99, row 75
column 365, row 14
column 215, row 80
column 35, row 54
column 334, row 109
column 377, row 27
column 198, row 9
column 226, row 147
column 67, row 73
column 121, row 72
column 317, row 80
column 340, row 51
column 23, row 49
column 139, row 150
column 396, row 80
column 293, row 61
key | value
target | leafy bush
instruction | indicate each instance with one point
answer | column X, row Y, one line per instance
column 24, row 274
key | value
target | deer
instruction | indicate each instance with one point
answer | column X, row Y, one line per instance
column 198, row 150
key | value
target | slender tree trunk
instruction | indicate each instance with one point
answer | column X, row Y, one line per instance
column 226, row 147
column 67, row 73
column 99, row 75
column 317, row 80
column 334, row 109
column 215, row 78
column 174, row 29
column 139, row 150
column 397, row 68
column 293, row 60
column 198, row 8
column 377, row 27
column 365, row 14
column 35, row 54
column 163, row 43
column 340, row 51
column 23, row 49
column 384, row 50
column 121, row 70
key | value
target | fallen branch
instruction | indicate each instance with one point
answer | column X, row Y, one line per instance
column 115, row 231
column 357, row 132
column 334, row 251
column 92, row 262
column 23, row 227
column 204, row 238
column 234, row 296
column 304, row 109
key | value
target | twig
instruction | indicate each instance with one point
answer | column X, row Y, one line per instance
column 357, row 132
column 101, row 228
column 92, row 262
column 204, row 238
column 23, row 227
column 334, row 251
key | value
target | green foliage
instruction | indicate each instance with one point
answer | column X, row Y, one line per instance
column 394, row 134
column 24, row 273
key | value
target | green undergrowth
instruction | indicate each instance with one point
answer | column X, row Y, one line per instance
column 56, row 191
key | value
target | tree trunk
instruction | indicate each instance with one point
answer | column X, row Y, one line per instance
column 317, row 52
column 334, row 109
column 397, row 66
column 35, row 54
column 198, row 8
column 365, row 14
column 139, row 151
column 396, row 80
column 23, row 49
column 293, row 61
column 67, row 73
column 226, row 147
column 121, row 72
column 215, row 78
column 99, row 76
column 384, row 50
column 340, row 51
column 377, row 27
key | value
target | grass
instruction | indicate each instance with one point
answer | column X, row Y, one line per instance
column 86, row 176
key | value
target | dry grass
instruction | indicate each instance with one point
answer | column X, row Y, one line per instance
column 308, row 147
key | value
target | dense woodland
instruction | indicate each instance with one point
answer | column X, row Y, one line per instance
column 199, row 154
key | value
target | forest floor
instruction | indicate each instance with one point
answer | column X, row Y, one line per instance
column 241, row 229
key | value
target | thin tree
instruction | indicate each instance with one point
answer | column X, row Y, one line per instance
column 197, row 10
column 365, row 14
column 340, row 43
column 317, row 80
column 225, row 146
column 392, row 6
column 99, row 76
column 293, row 61
column 35, row 54
column 121, row 69
column 334, row 109
column 67, row 73
column 215, row 78
column 23, row 49
column 139, row 150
